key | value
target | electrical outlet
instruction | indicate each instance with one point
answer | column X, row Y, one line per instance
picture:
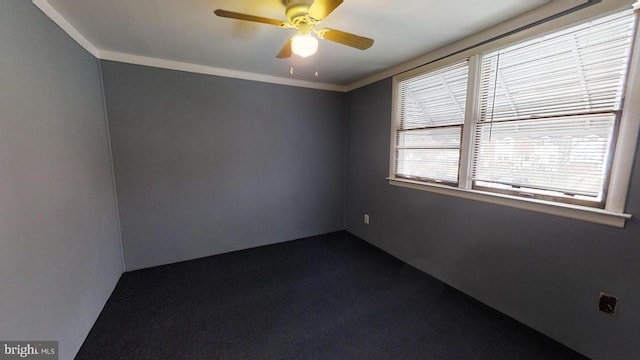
column 607, row 303
column 366, row 219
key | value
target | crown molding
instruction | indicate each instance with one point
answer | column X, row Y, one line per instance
column 208, row 70
column 60, row 20
column 102, row 54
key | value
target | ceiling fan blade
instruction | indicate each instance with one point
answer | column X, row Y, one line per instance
column 320, row 9
column 345, row 38
column 286, row 50
column 246, row 17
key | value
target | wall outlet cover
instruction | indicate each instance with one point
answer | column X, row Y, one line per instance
column 607, row 303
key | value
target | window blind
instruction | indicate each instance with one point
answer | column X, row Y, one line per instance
column 431, row 114
column 548, row 110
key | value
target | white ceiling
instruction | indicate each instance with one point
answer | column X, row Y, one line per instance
column 187, row 31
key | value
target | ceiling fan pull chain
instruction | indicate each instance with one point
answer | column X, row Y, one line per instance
column 317, row 60
column 291, row 70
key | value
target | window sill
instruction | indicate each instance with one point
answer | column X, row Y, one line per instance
column 576, row 212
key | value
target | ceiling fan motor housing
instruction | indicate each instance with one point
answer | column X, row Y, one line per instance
column 297, row 10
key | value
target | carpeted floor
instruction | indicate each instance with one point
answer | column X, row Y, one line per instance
column 327, row 297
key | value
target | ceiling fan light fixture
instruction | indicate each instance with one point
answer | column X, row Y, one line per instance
column 304, row 45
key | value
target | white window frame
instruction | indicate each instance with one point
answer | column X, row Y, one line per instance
column 622, row 165
column 461, row 125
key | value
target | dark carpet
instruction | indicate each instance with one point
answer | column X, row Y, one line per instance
column 326, row 297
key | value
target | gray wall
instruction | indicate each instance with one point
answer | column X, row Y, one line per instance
column 206, row 165
column 543, row 270
column 60, row 253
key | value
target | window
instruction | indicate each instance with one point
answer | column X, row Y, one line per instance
column 432, row 108
column 534, row 120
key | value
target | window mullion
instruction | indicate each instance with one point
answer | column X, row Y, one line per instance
column 627, row 140
column 395, row 126
column 468, row 129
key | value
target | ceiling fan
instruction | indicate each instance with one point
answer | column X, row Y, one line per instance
column 304, row 15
